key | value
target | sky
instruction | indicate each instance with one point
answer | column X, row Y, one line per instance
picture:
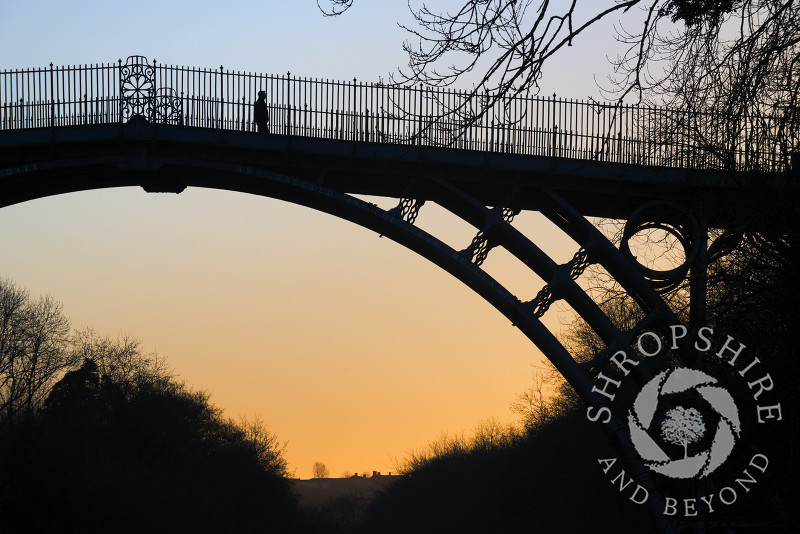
column 350, row 348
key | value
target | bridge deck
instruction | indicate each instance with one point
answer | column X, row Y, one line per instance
column 378, row 113
column 45, row 161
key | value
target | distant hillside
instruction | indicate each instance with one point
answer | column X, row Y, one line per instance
column 317, row 491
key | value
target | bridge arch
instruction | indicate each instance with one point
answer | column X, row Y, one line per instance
column 142, row 154
column 136, row 154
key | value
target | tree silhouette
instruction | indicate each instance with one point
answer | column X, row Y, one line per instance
column 320, row 470
column 528, row 483
column 97, row 436
column 682, row 427
column 34, row 338
column 503, row 45
column 158, row 457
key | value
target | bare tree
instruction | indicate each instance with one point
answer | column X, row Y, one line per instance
column 732, row 57
column 122, row 359
column 320, row 470
column 37, row 348
column 734, row 77
column 550, row 396
column 34, row 342
column 491, row 434
column 515, row 38
column 268, row 450
column 441, row 447
column 538, row 405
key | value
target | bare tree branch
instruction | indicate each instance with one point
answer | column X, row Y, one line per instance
column 336, row 8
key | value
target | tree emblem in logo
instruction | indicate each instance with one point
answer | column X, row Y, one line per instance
column 683, row 426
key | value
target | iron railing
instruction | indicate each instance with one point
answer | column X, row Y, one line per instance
column 374, row 112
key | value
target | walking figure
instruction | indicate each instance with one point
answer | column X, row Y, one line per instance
column 260, row 113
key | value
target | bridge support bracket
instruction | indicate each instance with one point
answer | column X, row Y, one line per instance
column 163, row 187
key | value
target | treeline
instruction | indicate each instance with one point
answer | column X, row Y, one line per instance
column 543, row 479
column 96, row 436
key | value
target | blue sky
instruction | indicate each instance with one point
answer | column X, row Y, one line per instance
column 248, row 35
column 264, row 36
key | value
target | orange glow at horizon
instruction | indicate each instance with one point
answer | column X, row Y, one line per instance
column 351, row 348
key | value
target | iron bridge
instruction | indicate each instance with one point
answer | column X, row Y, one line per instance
column 165, row 128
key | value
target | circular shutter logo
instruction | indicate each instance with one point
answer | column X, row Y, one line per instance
column 682, row 426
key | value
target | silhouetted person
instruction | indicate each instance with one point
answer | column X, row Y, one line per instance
column 261, row 115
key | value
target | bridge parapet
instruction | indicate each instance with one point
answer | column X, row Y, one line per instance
column 389, row 114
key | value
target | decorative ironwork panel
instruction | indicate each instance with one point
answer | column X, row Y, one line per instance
column 574, row 268
column 479, row 248
column 168, row 107
column 579, row 262
column 408, row 209
column 541, row 302
column 137, row 87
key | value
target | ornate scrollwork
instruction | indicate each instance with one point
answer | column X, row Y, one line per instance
column 541, row 302
column 574, row 268
column 480, row 246
column 579, row 262
column 478, row 249
column 168, row 107
column 509, row 214
column 137, row 87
